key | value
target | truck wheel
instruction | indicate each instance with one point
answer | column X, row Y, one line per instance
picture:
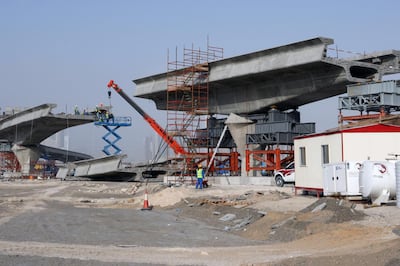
column 279, row 181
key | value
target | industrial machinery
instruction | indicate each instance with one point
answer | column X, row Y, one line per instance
column 172, row 143
column 175, row 146
column 378, row 181
column 189, row 158
column 111, row 124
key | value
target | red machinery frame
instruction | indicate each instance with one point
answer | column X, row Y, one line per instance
column 267, row 160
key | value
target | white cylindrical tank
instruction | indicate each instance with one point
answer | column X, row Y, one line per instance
column 376, row 178
column 397, row 167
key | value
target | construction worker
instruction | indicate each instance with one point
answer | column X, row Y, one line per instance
column 200, row 176
column 76, row 110
column 98, row 113
column 111, row 117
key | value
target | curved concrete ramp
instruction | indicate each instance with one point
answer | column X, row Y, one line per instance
column 28, row 128
column 33, row 125
column 287, row 76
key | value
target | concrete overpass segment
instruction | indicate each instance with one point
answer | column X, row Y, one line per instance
column 286, row 76
column 108, row 168
column 33, row 125
column 28, row 128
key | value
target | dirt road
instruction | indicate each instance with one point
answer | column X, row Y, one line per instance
column 100, row 223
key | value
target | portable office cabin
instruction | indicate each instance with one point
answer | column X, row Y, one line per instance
column 311, row 152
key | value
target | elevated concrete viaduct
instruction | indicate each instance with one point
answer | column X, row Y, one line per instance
column 28, row 128
column 287, row 76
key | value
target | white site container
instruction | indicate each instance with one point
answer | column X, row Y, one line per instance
column 397, row 168
column 378, row 181
column 342, row 178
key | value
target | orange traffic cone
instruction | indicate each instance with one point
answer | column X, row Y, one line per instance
column 146, row 206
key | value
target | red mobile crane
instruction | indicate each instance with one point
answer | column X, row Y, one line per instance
column 175, row 146
column 172, row 143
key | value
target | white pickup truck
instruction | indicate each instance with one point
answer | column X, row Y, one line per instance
column 284, row 175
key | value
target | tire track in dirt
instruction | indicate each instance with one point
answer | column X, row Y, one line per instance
column 358, row 240
column 13, row 205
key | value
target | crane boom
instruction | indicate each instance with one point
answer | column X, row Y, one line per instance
column 172, row 143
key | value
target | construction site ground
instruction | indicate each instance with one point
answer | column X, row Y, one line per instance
column 53, row 222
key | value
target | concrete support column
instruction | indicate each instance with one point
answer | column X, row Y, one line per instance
column 27, row 157
column 239, row 127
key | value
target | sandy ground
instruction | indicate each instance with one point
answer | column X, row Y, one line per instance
column 100, row 223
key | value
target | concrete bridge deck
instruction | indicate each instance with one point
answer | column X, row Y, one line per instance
column 33, row 125
column 28, row 128
column 287, row 76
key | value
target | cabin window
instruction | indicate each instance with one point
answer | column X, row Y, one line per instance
column 325, row 154
column 303, row 156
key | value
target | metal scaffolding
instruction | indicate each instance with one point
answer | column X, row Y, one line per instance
column 187, row 102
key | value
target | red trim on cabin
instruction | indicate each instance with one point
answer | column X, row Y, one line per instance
column 378, row 128
column 375, row 128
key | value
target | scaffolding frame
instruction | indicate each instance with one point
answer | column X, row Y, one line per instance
column 9, row 162
column 187, row 103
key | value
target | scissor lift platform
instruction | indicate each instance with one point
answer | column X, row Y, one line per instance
column 112, row 137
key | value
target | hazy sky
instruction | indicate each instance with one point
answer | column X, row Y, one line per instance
column 65, row 52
